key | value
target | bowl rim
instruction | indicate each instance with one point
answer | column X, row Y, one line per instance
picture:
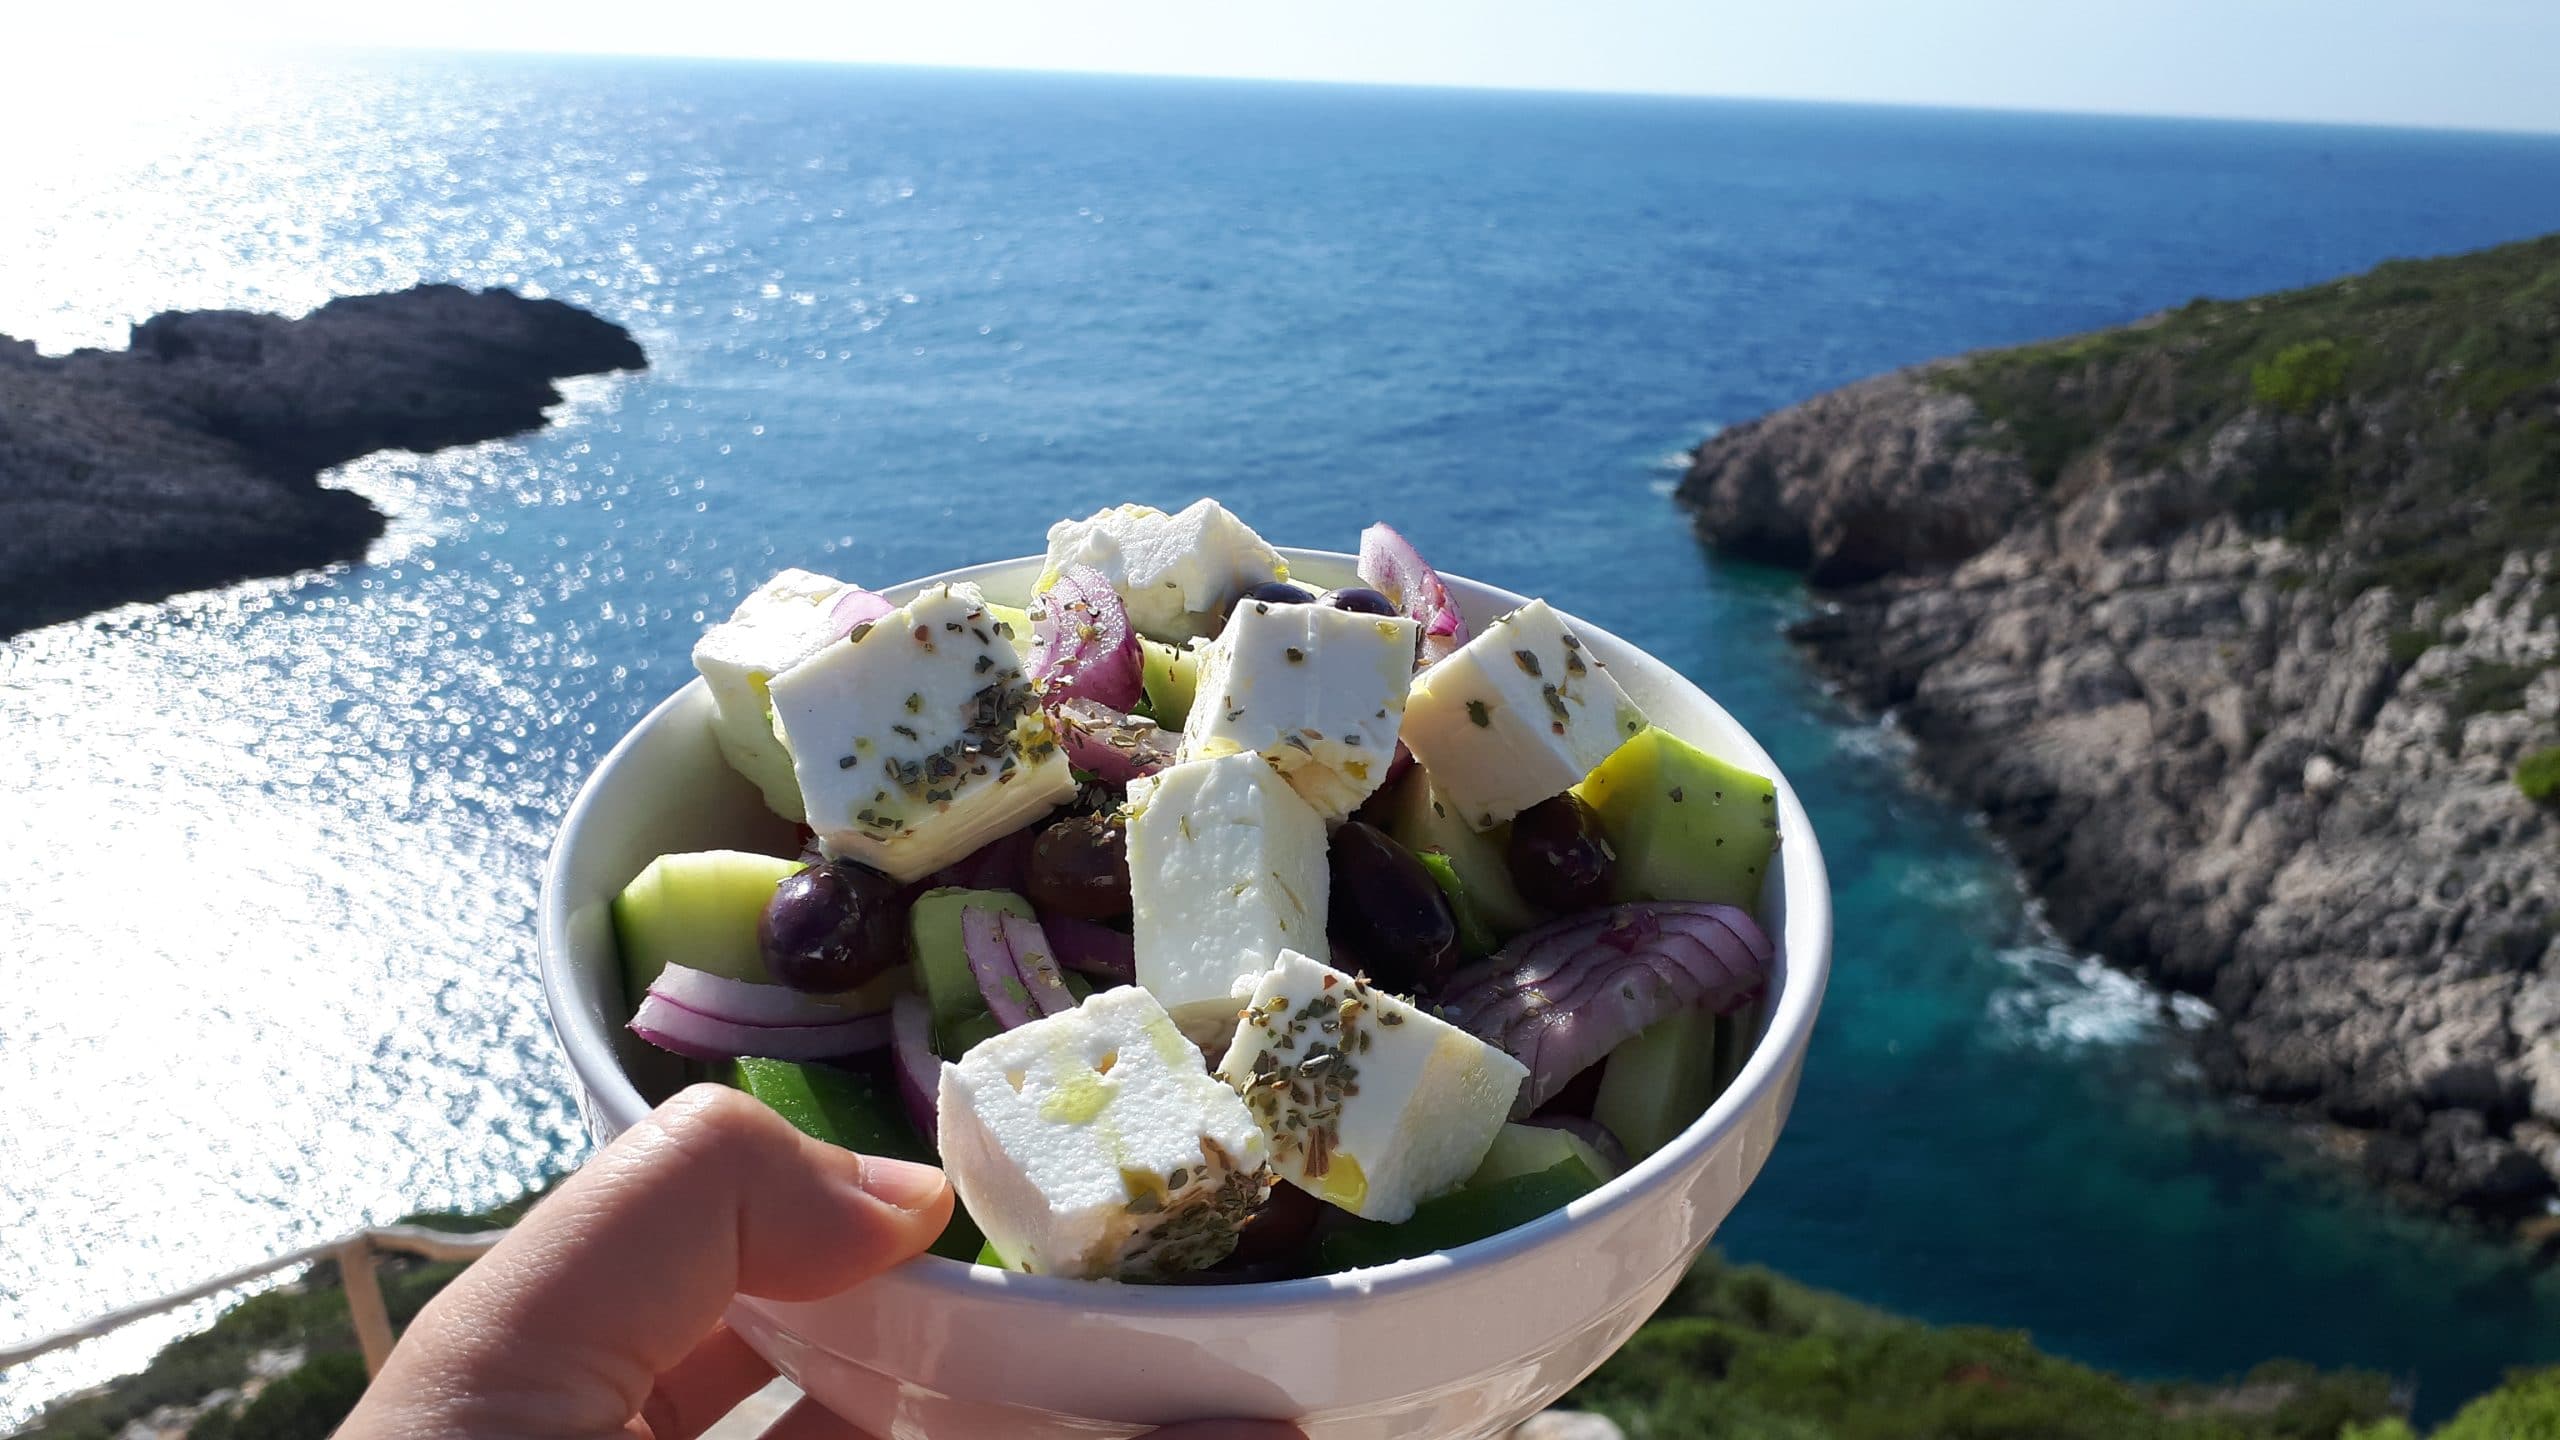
column 1784, row 1037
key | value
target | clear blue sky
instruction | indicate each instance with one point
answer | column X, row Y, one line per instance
column 2477, row 63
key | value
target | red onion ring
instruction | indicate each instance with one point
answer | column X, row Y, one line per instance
column 919, row 1071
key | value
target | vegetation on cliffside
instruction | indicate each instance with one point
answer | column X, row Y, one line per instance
column 2411, row 414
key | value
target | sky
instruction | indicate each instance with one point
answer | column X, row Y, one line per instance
column 2483, row 64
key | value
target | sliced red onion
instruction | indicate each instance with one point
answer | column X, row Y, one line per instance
column 856, row 606
column 1036, row 960
column 1090, row 949
column 1082, row 645
column 1116, row 747
column 983, row 941
column 919, row 1070
column 1392, row 567
column 712, row 1017
column 1564, row 995
column 1593, row 1133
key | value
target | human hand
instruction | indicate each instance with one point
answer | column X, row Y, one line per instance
column 599, row 1317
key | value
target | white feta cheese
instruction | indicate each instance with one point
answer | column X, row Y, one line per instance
column 1177, row 573
column 918, row 739
column 1095, row 1143
column 1519, row 713
column 782, row 622
column 1226, row 869
column 1317, row 692
column 1366, row 1101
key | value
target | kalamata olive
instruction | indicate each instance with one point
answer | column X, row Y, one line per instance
column 831, row 927
column 1280, row 592
column 1389, row 911
column 1559, row 856
column 1080, row 867
column 1277, row 1233
column 1363, row 600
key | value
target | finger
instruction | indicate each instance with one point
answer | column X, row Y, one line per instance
column 1229, row 1430
column 704, row 1386
column 808, row 1420
column 565, row 1325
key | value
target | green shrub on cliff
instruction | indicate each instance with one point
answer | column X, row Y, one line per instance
column 2452, row 365
column 2527, row 1407
column 2298, row 379
column 2538, row 776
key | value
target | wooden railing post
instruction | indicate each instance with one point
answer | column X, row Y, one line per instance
column 364, row 1301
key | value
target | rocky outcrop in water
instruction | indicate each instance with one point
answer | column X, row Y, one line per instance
column 2240, row 627
column 192, row 457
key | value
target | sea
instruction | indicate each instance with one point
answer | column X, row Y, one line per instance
column 268, row 855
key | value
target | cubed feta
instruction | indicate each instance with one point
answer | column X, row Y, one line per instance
column 782, row 622
column 1226, row 868
column 1095, row 1143
column 1317, row 692
column 918, row 740
column 1521, row 712
column 1366, row 1101
column 1177, row 573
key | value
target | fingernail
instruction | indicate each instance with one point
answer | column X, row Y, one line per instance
column 902, row 1183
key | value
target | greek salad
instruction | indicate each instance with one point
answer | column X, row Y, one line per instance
column 1207, row 925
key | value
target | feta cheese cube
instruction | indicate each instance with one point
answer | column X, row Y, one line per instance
column 1177, row 573
column 1519, row 713
column 1315, row 691
column 782, row 622
column 1095, row 1143
column 1226, row 869
column 1367, row 1101
column 918, row 739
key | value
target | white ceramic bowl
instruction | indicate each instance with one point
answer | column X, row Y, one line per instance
column 1467, row 1342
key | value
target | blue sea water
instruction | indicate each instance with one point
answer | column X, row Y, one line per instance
column 902, row 320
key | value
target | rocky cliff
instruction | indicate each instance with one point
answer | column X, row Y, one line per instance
column 2239, row 624
column 192, row 457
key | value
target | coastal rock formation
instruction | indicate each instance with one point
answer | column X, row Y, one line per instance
column 192, row 457
column 2238, row 625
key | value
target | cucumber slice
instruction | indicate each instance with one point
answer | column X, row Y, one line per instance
column 1419, row 820
column 1469, row 1213
column 1658, row 1082
column 698, row 910
column 1017, row 621
column 941, row 965
column 1475, row 938
column 1528, row 1149
column 1686, row 825
column 845, row 1109
column 1172, row 677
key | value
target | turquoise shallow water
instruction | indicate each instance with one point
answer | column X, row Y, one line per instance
column 263, row 907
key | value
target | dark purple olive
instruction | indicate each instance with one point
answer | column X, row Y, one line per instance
column 1080, row 867
column 1362, row 600
column 831, row 927
column 1280, row 592
column 1278, row 1233
column 1559, row 856
column 1389, row 912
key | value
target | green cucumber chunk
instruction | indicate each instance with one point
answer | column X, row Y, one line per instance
column 1469, row 1213
column 987, row 1256
column 1017, row 621
column 941, row 965
column 1527, row 1149
column 698, row 910
column 1685, row 825
column 847, row 1110
column 1475, row 938
column 1414, row 816
column 1654, row 1085
column 1171, row 674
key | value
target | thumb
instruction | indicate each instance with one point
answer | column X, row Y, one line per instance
column 564, row 1325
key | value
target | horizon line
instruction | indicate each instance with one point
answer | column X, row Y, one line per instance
column 1439, row 86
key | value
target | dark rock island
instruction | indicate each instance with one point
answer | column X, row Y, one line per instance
column 2239, row 624
column 193, row 457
